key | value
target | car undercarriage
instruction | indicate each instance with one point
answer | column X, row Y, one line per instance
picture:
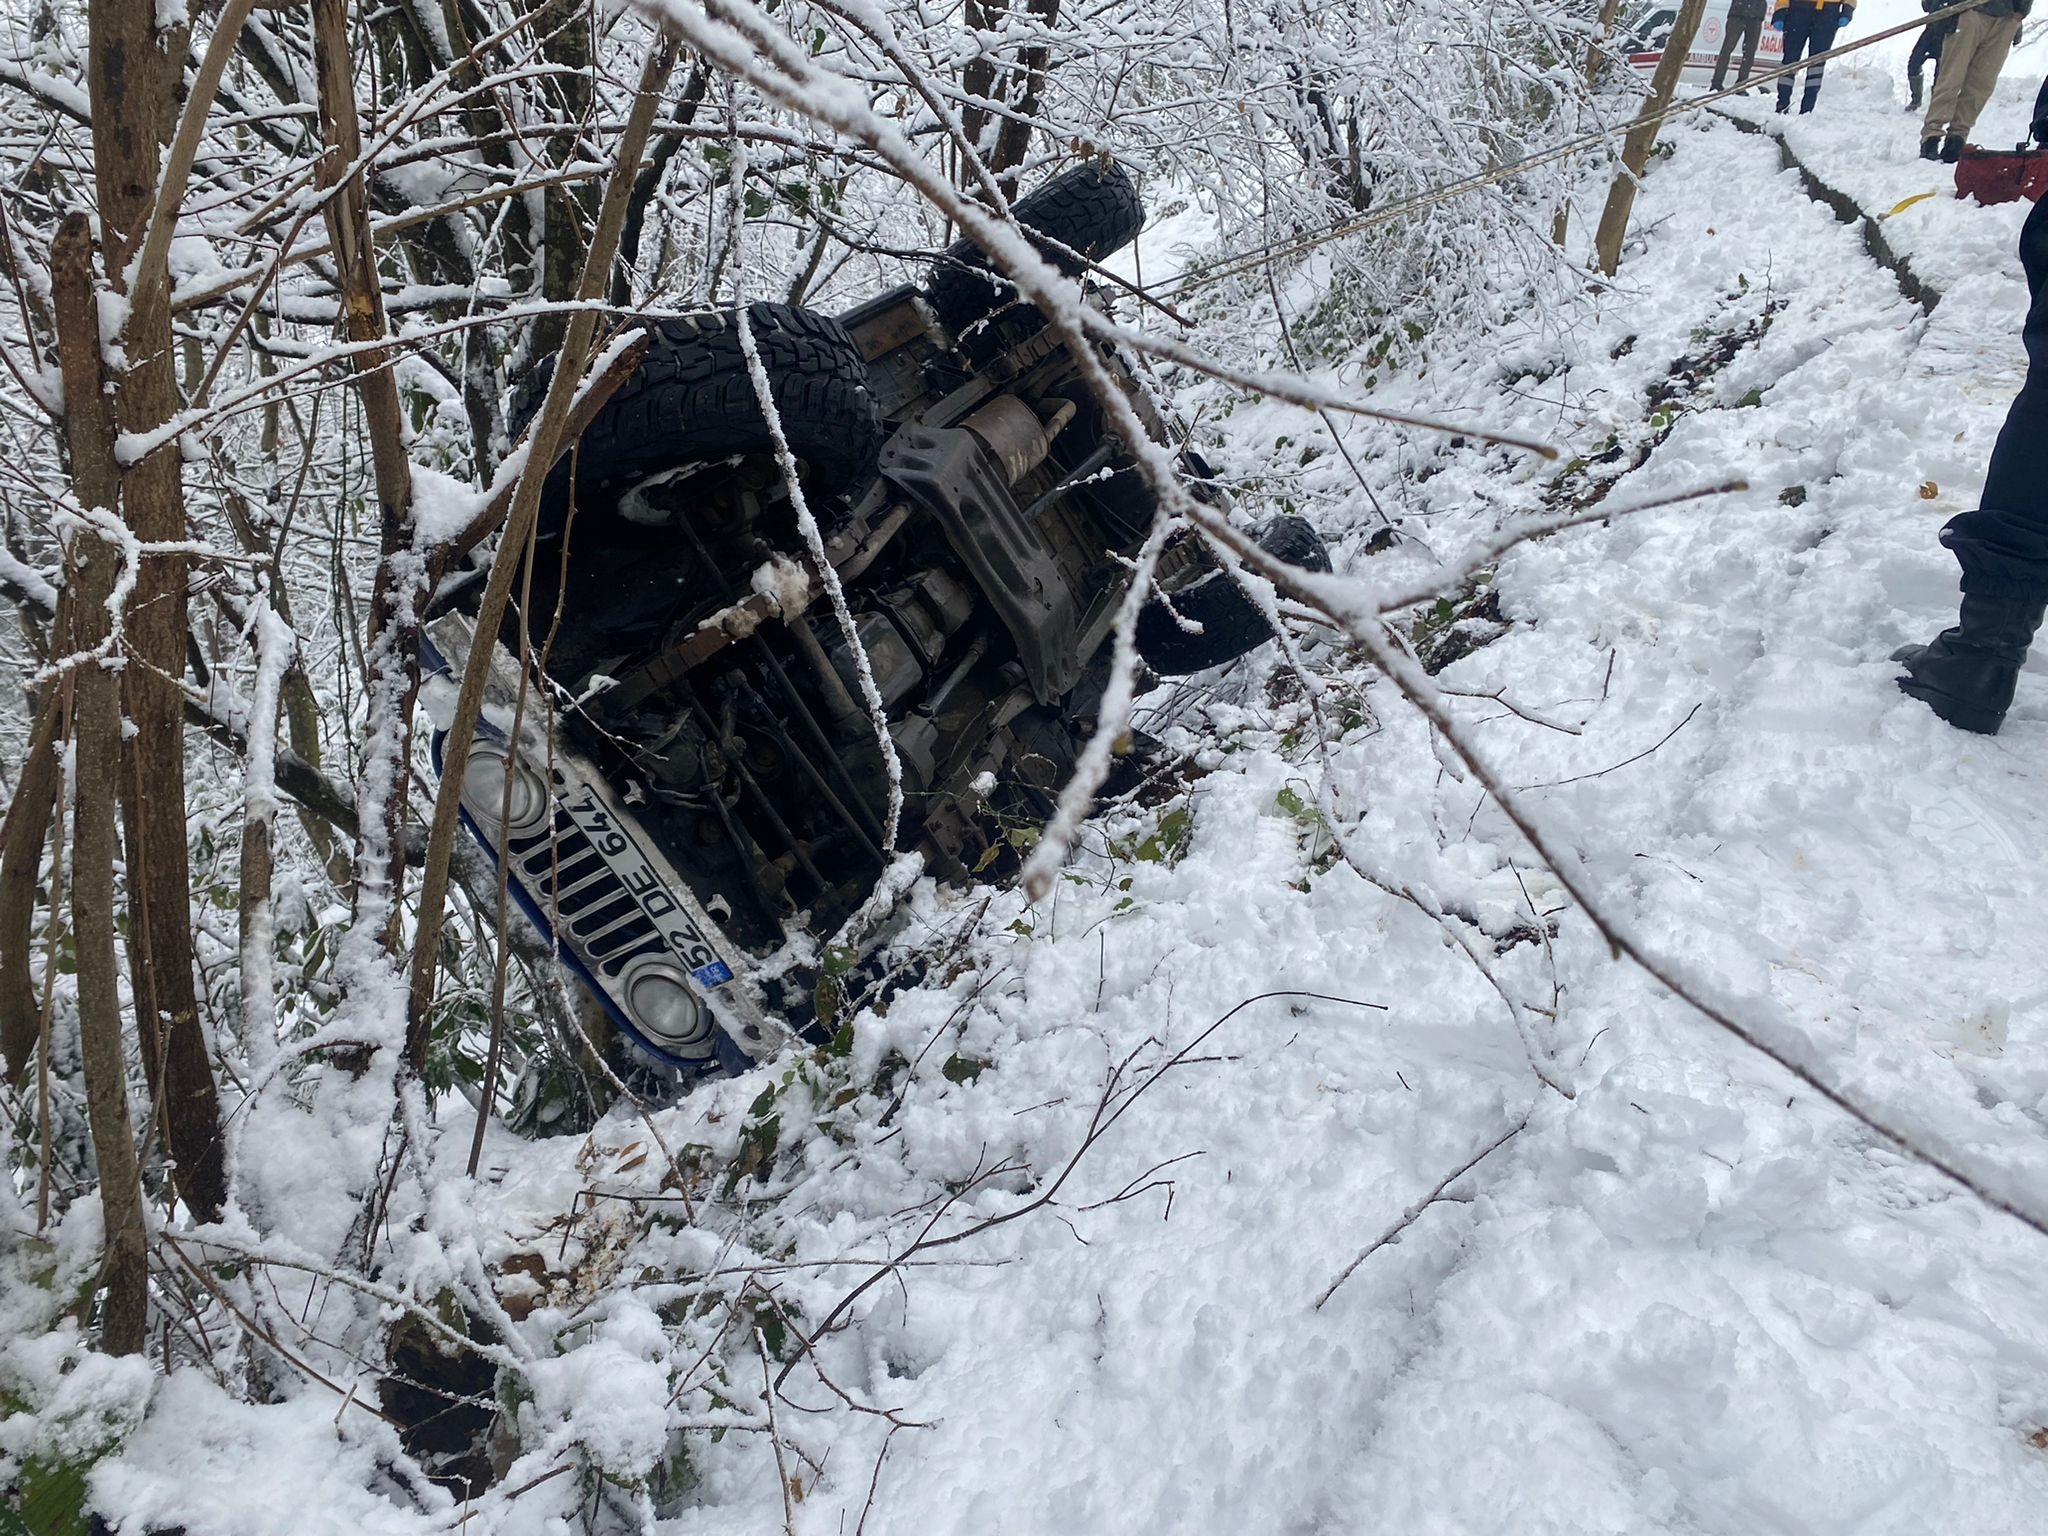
column 708, row 774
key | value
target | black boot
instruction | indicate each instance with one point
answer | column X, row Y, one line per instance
column 1967, row 674
column 1913, row 98
column 1930, row 147
column 1952, row 149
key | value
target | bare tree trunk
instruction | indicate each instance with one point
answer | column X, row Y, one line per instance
column 1635, row 149
column 1016, row 86
column 648, row 182
column 21, row 858
column 393, row 647
column 1596, row 50
column 89, row 429
column 1013, row 139
column 135, row 77
column 563, row 29
column 1596, row 55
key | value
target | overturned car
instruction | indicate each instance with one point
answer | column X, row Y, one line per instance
column 701, row 784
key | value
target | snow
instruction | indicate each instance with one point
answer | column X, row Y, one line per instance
column 211, row 1463
column 442, row 506
column 30, row 581
column 1866, row 144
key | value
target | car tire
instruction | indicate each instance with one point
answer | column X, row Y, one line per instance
column 693, row 398
column 1093, row 209
column 1232, row 625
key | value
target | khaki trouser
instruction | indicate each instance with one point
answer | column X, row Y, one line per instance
column 1970, row 62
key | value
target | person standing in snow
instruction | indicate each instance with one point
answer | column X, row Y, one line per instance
column 1809, row 27
column 1745, row 20
column 1926, row 51
column 1969, row 68
column 1967, row 674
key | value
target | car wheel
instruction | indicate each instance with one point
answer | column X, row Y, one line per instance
column 693, row 400
column 1232, row 625
column 1093, row 209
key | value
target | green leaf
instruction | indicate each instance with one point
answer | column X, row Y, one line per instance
column 1295, row 805
column 52, row 1500
column 1165, row 846
column 963, row 1069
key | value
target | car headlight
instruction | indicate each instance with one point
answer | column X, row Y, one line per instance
column 491, row 766
column 665, row 1007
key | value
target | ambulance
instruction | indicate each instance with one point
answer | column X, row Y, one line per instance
column 1648, row 27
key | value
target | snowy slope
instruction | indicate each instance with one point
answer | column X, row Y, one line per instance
column 1690, row 1298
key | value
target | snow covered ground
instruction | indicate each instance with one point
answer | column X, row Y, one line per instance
column 1690, row 1298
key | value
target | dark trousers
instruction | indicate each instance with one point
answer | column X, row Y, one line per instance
column 1926, row 51
column 1750, row 29
column 1809, row 29
column 2003, row 545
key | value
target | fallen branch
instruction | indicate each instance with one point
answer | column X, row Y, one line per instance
column 1612, row 767
column 1116, row 1098
column 1407, row 1218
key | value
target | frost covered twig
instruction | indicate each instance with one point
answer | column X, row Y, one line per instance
column 828, row 573
column 1407, row 1218
column 263, row 1335
column 768, row 1389
column 1118, row 1095
column 1579, row 778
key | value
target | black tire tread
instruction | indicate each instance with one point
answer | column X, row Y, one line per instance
column 693, row 398
column 1231, row 625
column 1093, row 209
